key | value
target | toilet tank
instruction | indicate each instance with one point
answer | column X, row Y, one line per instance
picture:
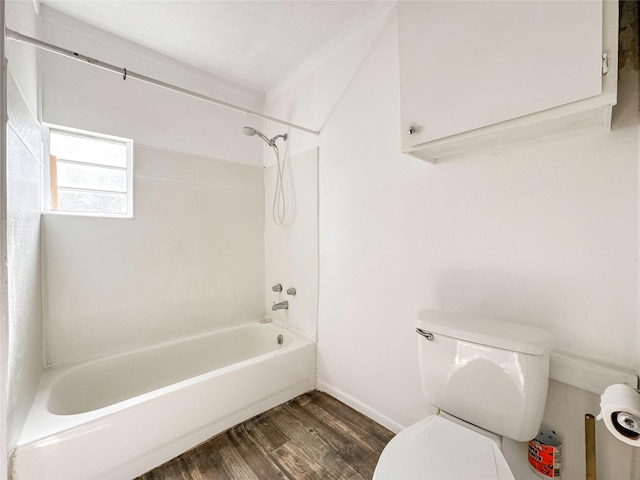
column 490, row 373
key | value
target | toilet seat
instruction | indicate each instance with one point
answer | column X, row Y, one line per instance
column 438, row 449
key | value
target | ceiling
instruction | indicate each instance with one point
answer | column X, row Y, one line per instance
column 253, row 43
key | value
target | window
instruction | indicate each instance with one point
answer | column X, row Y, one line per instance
column 89, row 174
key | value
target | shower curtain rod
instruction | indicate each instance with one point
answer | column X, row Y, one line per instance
column 19, row 37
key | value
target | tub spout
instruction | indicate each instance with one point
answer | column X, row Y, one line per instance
column 280, row 306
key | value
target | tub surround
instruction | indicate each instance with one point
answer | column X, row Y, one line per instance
column 192, row 259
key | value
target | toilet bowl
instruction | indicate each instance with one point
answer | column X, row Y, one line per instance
column 437, row 448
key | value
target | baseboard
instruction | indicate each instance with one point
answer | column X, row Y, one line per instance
column 361, row 407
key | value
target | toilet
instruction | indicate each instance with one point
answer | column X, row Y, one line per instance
column 489, row 379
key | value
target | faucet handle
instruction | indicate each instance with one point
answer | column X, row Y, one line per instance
column 291, row 291
column 277, row 287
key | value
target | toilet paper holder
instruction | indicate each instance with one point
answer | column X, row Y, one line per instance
column 620, row 411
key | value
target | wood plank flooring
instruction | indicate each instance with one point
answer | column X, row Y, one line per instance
column 313, row 436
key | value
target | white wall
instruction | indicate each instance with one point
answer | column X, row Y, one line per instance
column 23, row 226
column 192, row 258
column 292, row 248
column 542, row 234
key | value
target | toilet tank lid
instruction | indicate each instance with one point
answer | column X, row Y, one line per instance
column 487, row 331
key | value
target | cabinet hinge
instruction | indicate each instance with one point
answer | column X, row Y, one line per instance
column 605, row 63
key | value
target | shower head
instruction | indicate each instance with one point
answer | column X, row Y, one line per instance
column 250, row 131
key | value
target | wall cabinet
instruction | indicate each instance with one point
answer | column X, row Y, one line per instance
column 476, row 76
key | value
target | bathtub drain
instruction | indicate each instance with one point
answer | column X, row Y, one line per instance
column 280, row 339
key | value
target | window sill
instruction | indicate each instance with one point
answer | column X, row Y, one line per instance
column 90, row 215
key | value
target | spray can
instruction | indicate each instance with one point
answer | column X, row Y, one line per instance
column 545, row 455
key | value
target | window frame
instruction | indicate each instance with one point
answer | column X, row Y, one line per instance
column 48, row 160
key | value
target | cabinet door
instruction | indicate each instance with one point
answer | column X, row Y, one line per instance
column 470, row 64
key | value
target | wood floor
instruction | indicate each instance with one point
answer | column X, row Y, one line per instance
column 313, row 436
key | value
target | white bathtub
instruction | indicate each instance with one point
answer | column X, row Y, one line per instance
column 120, row 416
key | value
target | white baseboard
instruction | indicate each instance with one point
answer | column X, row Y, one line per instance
column 361, row 407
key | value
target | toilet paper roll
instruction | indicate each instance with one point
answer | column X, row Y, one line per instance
column 620, row 411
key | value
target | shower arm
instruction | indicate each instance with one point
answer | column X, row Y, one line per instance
column 272, row 142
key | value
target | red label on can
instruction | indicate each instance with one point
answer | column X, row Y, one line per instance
column 543, row 459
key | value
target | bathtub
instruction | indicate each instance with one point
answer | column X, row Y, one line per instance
column 119, row 416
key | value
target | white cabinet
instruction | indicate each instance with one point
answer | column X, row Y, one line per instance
column 477, row 75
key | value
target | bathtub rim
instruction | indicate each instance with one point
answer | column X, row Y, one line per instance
column 81, row 362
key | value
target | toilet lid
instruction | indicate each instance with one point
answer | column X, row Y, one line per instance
column 438, row 449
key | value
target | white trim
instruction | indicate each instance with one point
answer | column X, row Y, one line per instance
column 45, row 196
column 130, row 169
column 46, row 190
column 317, row 252
column 86, row 133
column 359, row 406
